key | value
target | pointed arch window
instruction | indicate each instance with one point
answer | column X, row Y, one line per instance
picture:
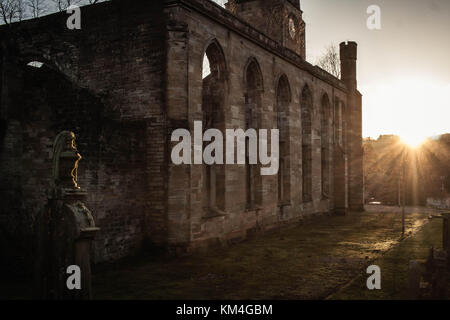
column 213, row 96
column 306, row 114
column 283, row 102
column 325, row 145
column 253, row 105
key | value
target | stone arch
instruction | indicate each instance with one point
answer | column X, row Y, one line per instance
column 56, row 53
column 214, row 91
column 253, row 77
column 253, row 81
column 284, row 87
column 28, row 58
column 306, row 120
column 216, row 57
column 325, row 126
column 283, row 102
column 31, row 60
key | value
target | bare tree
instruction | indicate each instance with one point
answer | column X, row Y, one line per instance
column 17, row 10
column 37, row 7
column 330, row 61
column 62, row 5
column 12, row 10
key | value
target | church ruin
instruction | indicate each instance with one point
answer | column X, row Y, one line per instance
column 130, row 77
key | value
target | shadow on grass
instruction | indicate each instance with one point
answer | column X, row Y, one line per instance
column 309, row 261
column 394, row 267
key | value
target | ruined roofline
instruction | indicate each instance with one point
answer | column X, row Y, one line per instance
column 293, row 3
column 51, row 16
column 46, row 24
column 207, row 8
column 224, row 17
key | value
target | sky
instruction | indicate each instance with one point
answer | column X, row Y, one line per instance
column 403, row 68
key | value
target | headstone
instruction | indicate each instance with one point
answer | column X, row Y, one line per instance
column 415, row 270
column 66, row 228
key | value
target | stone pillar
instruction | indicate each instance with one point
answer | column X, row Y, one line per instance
column 348, row 54
column 339, row 179
column 177, row 106
column 66, row 228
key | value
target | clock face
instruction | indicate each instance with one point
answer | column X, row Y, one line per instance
column 292, row 29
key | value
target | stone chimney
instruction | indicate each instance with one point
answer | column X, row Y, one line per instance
column 348, row 53
column 353, row 114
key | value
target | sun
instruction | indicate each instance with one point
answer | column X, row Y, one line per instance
column 413, row 140
column 410, row 106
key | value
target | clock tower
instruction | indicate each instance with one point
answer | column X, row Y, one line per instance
column 281, row 20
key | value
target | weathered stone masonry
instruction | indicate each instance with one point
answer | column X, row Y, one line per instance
column 132, row 75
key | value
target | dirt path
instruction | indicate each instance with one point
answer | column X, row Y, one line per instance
column 309, row 261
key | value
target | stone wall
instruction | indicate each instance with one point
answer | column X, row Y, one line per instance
column 189, row 222
column 124, row 82
column 103, row 82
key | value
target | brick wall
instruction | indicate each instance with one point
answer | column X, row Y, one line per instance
column 105, row 83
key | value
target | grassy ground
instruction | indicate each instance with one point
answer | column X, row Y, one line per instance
column 309, row 261
column 394, row 266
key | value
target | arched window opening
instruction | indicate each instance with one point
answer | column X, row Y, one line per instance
column 213, row 95
column 206, row 69
column 253, row 105
column 306, row 114
column 283, row 101
column 325, row 142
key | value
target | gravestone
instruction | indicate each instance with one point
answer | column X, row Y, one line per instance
column 66, row 228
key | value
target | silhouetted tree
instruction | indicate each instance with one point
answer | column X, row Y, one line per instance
column 62, row 5
column 37, row 8
column 12, row 10
column 330, row 61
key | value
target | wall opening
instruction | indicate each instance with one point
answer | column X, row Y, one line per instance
column 35, row 64
column 213, row 95
column 283, row 102
column 306, row 114
column 253, row 105
column 325, row 148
